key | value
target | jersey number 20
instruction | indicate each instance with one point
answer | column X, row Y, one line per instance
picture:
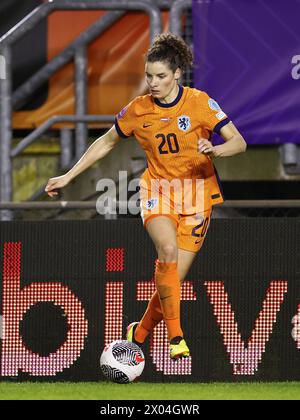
column 168, row 144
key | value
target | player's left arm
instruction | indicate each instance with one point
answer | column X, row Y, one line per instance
column 234, row 143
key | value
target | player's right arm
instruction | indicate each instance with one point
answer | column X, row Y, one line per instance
column 100, row 148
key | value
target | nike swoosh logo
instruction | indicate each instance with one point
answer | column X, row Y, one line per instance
column 139, row 359
column 146, row 125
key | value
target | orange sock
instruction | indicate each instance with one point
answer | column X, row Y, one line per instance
column 168, row 288
column 151, row 318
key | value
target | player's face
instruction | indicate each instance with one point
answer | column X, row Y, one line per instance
column 162, row 81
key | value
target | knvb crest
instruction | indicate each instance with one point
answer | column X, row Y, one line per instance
column 184, row 123
column 151, row 204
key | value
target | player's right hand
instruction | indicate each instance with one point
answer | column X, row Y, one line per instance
column 55, row 183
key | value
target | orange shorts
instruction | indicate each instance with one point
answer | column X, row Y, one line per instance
column 191, row 228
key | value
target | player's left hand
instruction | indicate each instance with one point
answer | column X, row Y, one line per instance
column 205, row 147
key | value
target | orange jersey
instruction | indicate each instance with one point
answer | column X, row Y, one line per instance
column 169, row 135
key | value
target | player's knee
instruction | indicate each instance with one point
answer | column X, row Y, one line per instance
column 167, row 252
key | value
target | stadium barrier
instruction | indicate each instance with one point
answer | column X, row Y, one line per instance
column 70, row 287
column 80, row 59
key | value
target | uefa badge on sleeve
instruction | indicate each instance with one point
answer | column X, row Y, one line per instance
column 184, row 123
column 214, row 105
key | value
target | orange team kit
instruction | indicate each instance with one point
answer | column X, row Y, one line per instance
column 179, row 182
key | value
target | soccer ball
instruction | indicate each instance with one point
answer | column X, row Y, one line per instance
column 122, row 361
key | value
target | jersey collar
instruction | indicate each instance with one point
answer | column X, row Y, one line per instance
column 175, row 102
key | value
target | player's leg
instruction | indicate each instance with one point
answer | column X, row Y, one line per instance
column 190, row 242
column 153, row 315
column 190, row 235
column 163, row 232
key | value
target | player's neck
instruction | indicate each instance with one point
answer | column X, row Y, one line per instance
column 171, row 96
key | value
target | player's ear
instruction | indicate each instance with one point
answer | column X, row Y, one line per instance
column 178, row 73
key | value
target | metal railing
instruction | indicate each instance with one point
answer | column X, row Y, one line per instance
column 235, row 204
column 34, row 135
column 229, row 209
column 76, row 50
column 176, row 12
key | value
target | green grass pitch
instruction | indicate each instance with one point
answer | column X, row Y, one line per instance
column 152, row 391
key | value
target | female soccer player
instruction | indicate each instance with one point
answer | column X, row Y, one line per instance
column 173, row 124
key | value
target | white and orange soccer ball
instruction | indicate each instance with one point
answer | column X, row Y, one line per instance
column 122, row 361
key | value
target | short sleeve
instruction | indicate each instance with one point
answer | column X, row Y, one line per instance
column 214, row 118
column 126, row 120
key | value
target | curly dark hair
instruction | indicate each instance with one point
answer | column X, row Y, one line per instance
column 172, row 50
